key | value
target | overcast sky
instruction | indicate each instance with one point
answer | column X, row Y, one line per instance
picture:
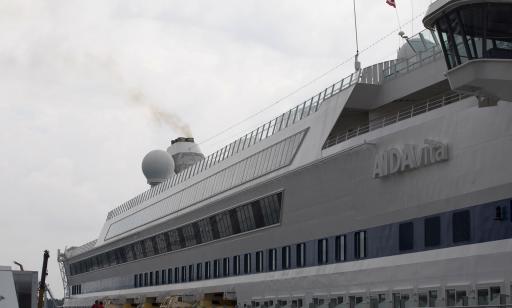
column 84, row 84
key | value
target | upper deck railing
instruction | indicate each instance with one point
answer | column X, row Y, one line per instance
column 375, row 74
column 74, row 251
column 264, row 131
column 392, row 118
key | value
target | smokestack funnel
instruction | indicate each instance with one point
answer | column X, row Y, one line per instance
column 185, row 153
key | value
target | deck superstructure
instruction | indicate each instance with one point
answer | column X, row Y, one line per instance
column 386, row 188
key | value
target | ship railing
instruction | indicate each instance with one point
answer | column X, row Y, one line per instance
column 286, row 119
column 424, row 54
column 413, row 63
column 374, row 74
column 392, row 118
column 73, row 251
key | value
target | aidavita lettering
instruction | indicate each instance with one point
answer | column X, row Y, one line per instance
column 409, row 157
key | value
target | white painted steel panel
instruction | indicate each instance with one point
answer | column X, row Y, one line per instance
column 245, row 171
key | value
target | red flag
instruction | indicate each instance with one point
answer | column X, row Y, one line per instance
column 391, row 2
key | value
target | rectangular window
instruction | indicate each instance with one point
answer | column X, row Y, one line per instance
column 271, row 209
column 169, row 275
column 406, row 236
column 483, row 297
column 191, row 272
column 135, row 281
column 176, row 275
column 246, row 218
column 150, row 278
column 205, row 229
column 433, row 231
column 163, row 278
column 157, row 278
column 148, row 245
column 137, row 246
column 146, row 281
column 207, row 270
column 128, row 251
column 174, row 238
column 199, row 271
column 339, row 248
column 247, row 263
column 427, row 298
column 259, row 261
column 272, row 259
column 216, row 268
column 286, row 257
column 161, row 243
column 322, row 251
column 224, row 224
column 189, row 235
column 301, row 254
column 461, row 226
column 225, row 267
column 141, row 284
column 183, row 274
column 360, row 244
column 236, row 265
column 456, row 298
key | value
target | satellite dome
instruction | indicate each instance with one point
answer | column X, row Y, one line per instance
column 157, row 166
column 413, row 46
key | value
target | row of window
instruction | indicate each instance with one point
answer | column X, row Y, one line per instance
column 251, row 216
column 488, row 295
column 294, row 256
column 76, row 289
column 461, row 231
column 242, row 264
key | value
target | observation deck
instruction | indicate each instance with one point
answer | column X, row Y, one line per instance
column 476, row 39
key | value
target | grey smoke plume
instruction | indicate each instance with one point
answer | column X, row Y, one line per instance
column 160, row 116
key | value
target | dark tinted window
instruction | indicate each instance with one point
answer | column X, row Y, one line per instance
column 191, row 272
column 225, row 267
column 257, row 214
column 322, row 251
column 259, row 261
column 461, row 226
column 433, row 231
column 216, row 268
column 236, row 265
column 301, row 254
column 247, row 263
column 272, row 259
column 406, row 236
column 176, row 275
column 199, row 271
column 340, row 248
column 360, row 244
column 286, row 257
column 207, row 270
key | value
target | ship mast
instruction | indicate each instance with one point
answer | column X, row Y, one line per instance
column 357, row 64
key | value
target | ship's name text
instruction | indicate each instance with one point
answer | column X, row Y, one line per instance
column 410, row 156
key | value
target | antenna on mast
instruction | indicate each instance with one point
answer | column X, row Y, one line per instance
column 357, row 64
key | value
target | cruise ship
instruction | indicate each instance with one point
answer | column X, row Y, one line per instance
column 391, row 188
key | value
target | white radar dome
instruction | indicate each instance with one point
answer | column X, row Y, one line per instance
column 412, row 47
column 157, row 166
